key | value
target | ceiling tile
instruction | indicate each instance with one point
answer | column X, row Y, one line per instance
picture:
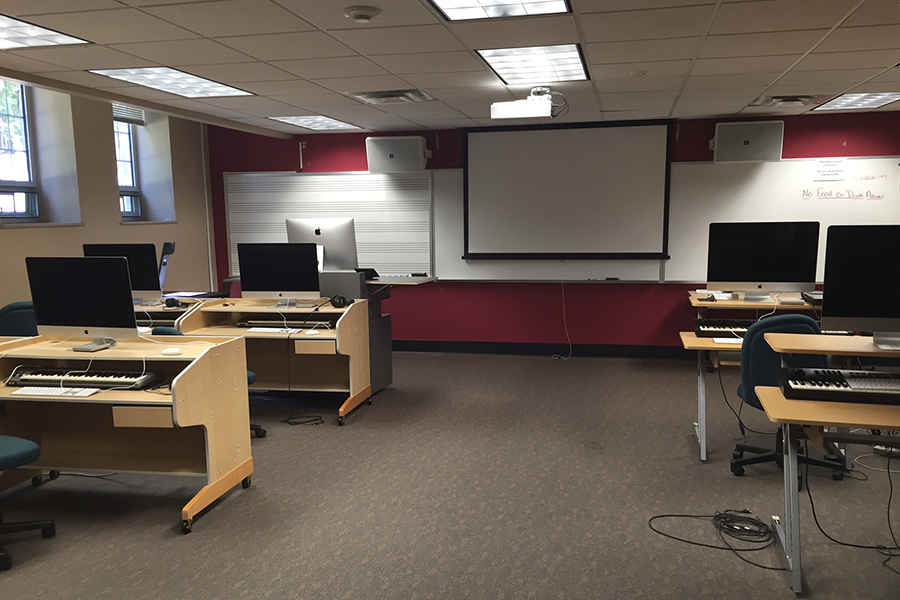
column 399, row 40
column 670, row 68
column 724, row 93
column 457, row 123
column 591, row 6
column 761, row 44
column 648, row 83
column 84, row 57
column 891, row 75
column 232, row 17
column 454, row 80
column 90, row 80
column 847, row 39
column 637, row 101
column 832, row 76
column 730, row 80
column 822, row 61
column 139, row 92
column 27, row 64
column 243, row 102
column 113, row 26
column 875, row 12
column 284, row 87
column 316, row 100
column 364, row 84
column 491, row 94
column 424, row 110
column 288, row 46
column 22, row 8
column 516, row 33
column 239, row 72
column 330, row 15
column 647, row 24
column 184, row 52
column 431, row 62
column 730, row 66
column 633, row 115
column 792, row 15
column 341, row 66
column 282, row 110
column 643, row 51
column 808, row 89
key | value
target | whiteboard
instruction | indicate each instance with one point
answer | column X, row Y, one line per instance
column 391, row 213
column 832, row 191
column 568, row 192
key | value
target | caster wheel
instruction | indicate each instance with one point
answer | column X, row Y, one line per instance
column 837, row 475
column 340, row 420
column 737, row 470
column 37, row 480
column 48, row 532
column 737, row 454
column 245, row 482
column 260, row 433
column 5, row 562
column 369, row 401
column 54, row 474
column 186, row 526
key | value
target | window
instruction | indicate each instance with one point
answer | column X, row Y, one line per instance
column 129, row 194
column 18, row 193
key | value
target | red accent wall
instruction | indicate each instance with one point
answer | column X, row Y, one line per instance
column 596, row 313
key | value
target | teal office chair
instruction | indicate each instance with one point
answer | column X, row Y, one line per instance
column 17, row 319
column 16, row 452
column 257, row 430
column 758, row 365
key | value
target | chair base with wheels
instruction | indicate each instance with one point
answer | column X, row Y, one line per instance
column 835, row 462
column 16, row 452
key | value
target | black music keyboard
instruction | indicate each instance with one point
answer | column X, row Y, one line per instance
column 275, row 320
column 52, row 376
column 838, row 385
column 721, row 327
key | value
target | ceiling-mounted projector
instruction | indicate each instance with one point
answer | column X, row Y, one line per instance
column 537, row 104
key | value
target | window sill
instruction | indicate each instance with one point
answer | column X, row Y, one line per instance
column 14, row 225
column 139, row 222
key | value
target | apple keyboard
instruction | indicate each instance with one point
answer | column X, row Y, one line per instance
column 728, row 340
column 272, row 330
column 55, row 391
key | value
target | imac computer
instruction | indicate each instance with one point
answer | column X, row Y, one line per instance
column 281, row 272
column 758, row 258
column 145, row 286
column 336, row 237
column 82, row 297
column 861, row 291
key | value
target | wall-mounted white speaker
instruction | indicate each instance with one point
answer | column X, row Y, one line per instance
column 403, row 154
column 747, row 141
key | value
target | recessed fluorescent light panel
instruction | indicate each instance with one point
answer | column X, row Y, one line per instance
column 316, row 122
column 851, row 101
column 19, row 34
column 173, row 81
column 537, row 64
column 460, row 10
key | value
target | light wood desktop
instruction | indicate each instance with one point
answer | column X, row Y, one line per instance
column 697, row 301
column 801, row 419
column 336, row 359
column 199, row 426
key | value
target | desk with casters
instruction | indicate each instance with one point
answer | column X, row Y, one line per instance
column 335, row 359
column 809, row 419
column 197, row 423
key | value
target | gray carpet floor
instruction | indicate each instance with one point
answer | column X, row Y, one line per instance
column 472, row 476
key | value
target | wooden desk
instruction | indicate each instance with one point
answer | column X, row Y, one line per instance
column 793, row 415
column 334, row 360
column 165, row 316
column 706, row 346
column 201, row 426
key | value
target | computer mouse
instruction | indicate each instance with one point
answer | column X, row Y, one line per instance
column 171, row 351
column 144, row 329
column 311, row 332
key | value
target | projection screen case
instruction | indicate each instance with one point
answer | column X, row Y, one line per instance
column 568, row 192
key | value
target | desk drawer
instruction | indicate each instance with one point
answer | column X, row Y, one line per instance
column 315, row 347
column 142, row 416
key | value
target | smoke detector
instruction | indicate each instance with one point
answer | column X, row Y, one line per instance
column 362, row 14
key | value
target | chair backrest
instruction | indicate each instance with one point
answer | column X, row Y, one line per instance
column 162, row 330
column 17, row 319
column 759, row 362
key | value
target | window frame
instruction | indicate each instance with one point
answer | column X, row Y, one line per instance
column 28, row 188
column 130, row 200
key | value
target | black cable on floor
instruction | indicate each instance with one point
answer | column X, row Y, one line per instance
column 741, row 424
column 888, row 551
column 735, row 524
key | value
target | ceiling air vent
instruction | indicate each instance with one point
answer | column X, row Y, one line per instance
column 795, row 100
column 391, row 96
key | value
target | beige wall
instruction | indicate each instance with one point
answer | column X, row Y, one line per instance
column 189, row 268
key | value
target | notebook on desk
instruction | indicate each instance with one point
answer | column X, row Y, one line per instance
column 814, row 297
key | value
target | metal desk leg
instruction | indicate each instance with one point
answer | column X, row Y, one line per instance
column 788, row 535
column 700, row 425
